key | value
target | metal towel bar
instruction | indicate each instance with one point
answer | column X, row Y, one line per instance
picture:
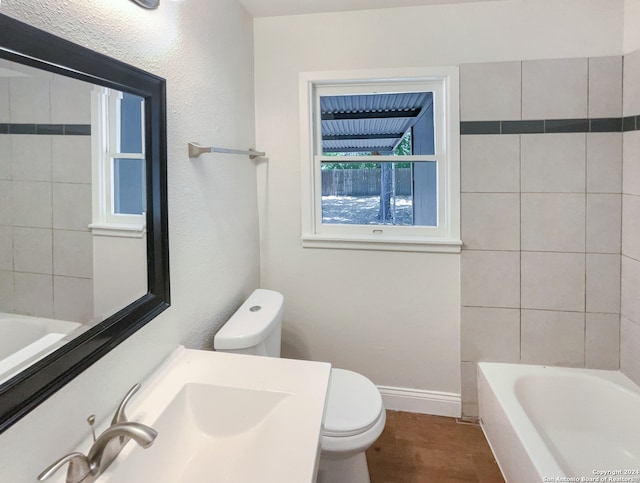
column 196, row 150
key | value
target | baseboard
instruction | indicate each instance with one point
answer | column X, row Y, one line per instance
column 421, row 401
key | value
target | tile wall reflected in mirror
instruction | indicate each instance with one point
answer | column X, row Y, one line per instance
column 63, row 267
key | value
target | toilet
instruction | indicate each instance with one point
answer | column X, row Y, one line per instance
column 354, row 415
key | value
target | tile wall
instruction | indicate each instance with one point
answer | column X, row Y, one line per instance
column 630, row 300
column 541, row 164
column 46, row 251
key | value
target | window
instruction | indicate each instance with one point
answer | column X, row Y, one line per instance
column 380, row 160
column 119, row 202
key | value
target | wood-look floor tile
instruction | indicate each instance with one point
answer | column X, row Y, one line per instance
column 422, row 448
column 488, row 470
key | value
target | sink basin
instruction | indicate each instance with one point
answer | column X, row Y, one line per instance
column 228, row 418
column 203, row 426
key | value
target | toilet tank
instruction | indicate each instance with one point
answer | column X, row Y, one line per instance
column 255, row 327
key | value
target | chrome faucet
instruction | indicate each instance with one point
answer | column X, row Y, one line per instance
column 119, row 417
column 85, row 469
column 103, row 451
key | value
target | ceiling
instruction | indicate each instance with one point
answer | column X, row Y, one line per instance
column 273, row 8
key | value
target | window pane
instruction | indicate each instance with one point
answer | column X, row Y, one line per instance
column 425, row 194
column 403, row 194
column 373, row 124
column 129, row 186
column 131, row 111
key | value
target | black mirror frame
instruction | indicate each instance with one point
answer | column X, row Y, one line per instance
column 28, row 45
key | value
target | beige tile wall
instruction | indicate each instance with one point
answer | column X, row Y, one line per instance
column 45, row 200
column 555, row 89
column 541, row 218
column 630, row 290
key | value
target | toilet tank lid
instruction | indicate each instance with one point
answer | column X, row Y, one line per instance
column 252, row 322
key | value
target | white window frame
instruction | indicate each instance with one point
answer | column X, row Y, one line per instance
column 105, row 138
column 444, row 82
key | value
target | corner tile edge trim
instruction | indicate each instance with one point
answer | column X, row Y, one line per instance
column 547, row 126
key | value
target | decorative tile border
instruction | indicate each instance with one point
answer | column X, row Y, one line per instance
column 631, row 123
column 46, row 129
column 605, row 124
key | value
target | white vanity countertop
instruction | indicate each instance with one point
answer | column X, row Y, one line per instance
column 226, row 417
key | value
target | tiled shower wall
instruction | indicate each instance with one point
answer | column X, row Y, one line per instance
column 46, row 251
column 630, row 302
column 541, row 164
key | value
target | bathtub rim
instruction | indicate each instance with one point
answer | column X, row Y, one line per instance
column 38, row 348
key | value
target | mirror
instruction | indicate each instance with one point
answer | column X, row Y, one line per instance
column 83, row 210
column 72, row 211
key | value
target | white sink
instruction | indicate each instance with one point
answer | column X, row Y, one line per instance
column 227, row 418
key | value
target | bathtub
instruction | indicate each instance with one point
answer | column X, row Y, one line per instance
column 548, row 423
column 24, row 340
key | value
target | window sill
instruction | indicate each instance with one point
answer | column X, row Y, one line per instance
column 121, row 231
column 376, row 242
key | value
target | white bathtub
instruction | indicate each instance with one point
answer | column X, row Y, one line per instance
column 560, row 424
column 24, row 340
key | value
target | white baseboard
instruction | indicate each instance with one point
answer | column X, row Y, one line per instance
column 421, row 401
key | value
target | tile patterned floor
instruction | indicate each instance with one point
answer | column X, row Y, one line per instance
column 419, row 448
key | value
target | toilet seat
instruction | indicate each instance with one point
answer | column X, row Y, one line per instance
column 354, row 404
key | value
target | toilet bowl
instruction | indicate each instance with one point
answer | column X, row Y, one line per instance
column 354, row 415
column 354, row 419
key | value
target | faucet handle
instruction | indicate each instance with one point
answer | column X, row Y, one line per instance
column 79, row 468
column 120, row 416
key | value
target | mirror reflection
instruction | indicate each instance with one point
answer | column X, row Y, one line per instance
column 72, row 210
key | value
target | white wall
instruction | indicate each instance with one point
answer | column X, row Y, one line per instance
column 394, row 317
column 205, row 51
column 113, row 256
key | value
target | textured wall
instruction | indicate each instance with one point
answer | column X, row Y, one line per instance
column 205, row 51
